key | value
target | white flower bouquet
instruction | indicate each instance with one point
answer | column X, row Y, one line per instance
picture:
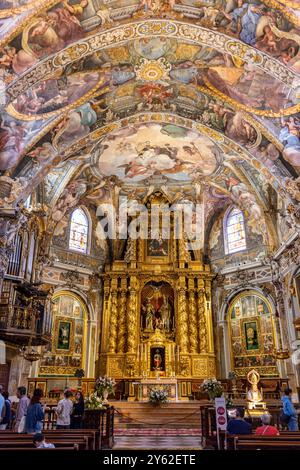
column 212, row 387
column 93, row 402
column 105, row 384
column 158, row 396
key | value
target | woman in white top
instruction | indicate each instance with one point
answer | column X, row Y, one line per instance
column 64, row 411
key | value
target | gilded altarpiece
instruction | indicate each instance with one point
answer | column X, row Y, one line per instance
column 253, row 335
column 157, row 319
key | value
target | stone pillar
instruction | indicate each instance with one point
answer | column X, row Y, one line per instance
column 226, row 347
column 208, row 316
column 193, row 336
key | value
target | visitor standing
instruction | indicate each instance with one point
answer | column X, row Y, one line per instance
column 22, row 406
column 78, row 411
column 64, row 411
column 289, row 410
column 35, row 413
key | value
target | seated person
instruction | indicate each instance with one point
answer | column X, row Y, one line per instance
column 238, row 425
column 266, row 429
column 40, row 442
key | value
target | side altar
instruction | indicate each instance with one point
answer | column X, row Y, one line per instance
column 157, row 318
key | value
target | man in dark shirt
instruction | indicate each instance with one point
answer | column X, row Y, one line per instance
column 238, row 425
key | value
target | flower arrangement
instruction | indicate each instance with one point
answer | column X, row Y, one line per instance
column 158, row 396
column 104, row 384
column 93, row 402
column 212, row 387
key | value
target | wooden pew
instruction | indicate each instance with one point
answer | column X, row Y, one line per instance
column 11, row 449
column 80, row 443
column 90, row 435
column 230, row 439
column 251, row 442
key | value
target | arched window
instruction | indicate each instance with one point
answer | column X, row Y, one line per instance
column 79, row 228
column 234, row 232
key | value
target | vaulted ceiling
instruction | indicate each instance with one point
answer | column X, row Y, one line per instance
column 197, row 96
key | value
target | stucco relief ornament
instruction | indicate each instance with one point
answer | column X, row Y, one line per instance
column 292, row 187
column 71, row 278
column 10, row 190
column 153, row 70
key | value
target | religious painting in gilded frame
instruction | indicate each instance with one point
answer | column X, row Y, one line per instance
column 251, row 335
column 64, row 335
column 157, row 247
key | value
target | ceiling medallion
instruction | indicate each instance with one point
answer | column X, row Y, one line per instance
column 153, row 70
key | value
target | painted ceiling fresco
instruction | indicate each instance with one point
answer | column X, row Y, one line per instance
column 99, row 94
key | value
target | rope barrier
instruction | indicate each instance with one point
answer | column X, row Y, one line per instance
column 155, row 424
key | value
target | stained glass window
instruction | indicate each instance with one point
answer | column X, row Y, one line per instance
column 79, row 227
column 235, row 237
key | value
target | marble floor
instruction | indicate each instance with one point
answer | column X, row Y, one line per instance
column 157, row 442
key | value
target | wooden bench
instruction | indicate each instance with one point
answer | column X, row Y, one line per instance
column 11, row 449
column 251, row 442
column 80, row 443
column 91, row 436
column 230, row 439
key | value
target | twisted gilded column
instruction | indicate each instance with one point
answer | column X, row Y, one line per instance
column 182, row 328
column 113, row 321
column 132, row 318
column 202, row 324
column 192, row 318
column 122, row 321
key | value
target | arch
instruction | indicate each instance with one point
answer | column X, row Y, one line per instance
column 68, row 349
column 252, row 333
column 79, row 231
column 163, row 117
column 234, row 231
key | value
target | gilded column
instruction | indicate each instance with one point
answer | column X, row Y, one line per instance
column 113, row 317
column 202, row 326
column 132, row 317
column 192, row 318
column 122, row 320
column 182, row 327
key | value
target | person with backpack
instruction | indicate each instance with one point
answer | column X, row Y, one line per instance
column 289, row 414
column 64, row 410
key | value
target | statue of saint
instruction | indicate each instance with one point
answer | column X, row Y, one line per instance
column 165, row 313
column 254, row 394
column 157, row 359
column 149, row 312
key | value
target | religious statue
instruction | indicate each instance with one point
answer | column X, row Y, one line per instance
column 165, row 313
column 149, row 311
column 254, row 395
column 157, row 359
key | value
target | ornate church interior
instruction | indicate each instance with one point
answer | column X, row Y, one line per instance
column 150, row 206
